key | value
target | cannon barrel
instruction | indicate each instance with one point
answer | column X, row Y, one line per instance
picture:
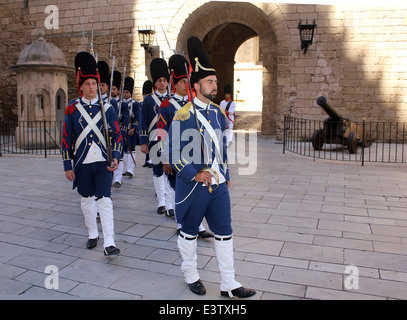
column 330, row 111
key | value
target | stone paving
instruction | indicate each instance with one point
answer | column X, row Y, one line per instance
column 303, row 229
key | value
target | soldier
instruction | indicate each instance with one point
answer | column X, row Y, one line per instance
column 84, row 142
column 104, row 74
column 147, row 89
column 196, row 172
column 229, row 106
column 124, row 119
column 179, row 82
column 133, row 129
column 149, row 115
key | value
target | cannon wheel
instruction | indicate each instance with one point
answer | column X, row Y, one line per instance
column 352, row 143
column 318, row 139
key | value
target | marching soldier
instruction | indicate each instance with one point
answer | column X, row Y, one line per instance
column 202, row 179
column 133, row 129
column 149, row 116
column 84, row 143
column 147, row 89
column 124, row 119
column 229, row 106
column 179, row 82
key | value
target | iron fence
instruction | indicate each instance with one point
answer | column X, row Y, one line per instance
column 30, row 137
column 346, row 141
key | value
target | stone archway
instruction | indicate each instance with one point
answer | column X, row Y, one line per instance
column 263, row 20
column 221, row 44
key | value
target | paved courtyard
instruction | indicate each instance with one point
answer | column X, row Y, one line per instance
column 303, row 229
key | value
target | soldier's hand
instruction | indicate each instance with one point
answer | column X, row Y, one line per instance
column 131, row 132
column 115, row 166
column 204, row 177
column 229, row 184
column 167, row 168
column 70, row 175
column 144, row 148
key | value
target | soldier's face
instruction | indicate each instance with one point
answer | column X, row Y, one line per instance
column 182, row 87
column 207, row 87
column 126, row 94
column 104, row 88
column 161, row 84
column 89, row 89
column 115, row 92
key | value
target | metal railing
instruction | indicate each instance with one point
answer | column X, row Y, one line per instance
column 30, row 137
column 383, row 142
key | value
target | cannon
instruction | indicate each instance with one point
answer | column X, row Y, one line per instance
column 338, row 130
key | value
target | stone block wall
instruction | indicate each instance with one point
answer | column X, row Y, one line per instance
column 358, row 58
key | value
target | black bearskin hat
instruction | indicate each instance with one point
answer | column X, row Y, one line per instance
column 179, row 67
column 158, row 69
column 85, row 67
column 148, row 87
column 128, row 84
column 104, row 73
column 201, row 64
column 228, row 89
column 117, row 79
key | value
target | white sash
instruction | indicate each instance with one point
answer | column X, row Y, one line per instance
column 92, row 125
column 175, row 103
column 211, row 132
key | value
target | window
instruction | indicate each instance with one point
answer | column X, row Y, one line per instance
column 40, row 102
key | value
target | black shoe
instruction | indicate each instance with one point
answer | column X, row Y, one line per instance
column 239, row 293
column 146, row 164
column 117, row 184
column 92, row 243
column 170, row 213
column 161, row 210
column 197, row 287
column 205, row 234
column 111, row 251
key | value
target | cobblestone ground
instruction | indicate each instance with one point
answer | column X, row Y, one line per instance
column 303, row 229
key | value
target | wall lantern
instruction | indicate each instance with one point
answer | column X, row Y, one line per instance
column 146, row 37
column 306, row 34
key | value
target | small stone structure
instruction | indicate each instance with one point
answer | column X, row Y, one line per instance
column 42, row 86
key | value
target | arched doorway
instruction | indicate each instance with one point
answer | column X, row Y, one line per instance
column 222, row 43
column 223, row 27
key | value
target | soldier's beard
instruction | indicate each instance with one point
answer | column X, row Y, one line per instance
column 211, row 96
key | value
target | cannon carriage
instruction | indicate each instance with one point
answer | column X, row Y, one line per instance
column 338, row 130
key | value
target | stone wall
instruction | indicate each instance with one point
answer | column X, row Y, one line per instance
column 358, row 58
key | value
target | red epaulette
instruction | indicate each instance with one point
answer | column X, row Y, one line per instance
column 165, row 103
column 70, row 108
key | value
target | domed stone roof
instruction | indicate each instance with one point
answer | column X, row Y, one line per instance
column 41, row 52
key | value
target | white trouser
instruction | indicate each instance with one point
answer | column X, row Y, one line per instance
column 90, row 210
column 105, row 206
column 118, row 173
column 224, row 255
column 130, row 162
column 229, row 136
column 187, row 250
column 159, row 186
column 169, row 194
